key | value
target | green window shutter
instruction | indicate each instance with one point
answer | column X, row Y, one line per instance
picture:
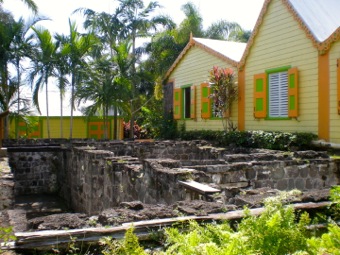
column 293, row 102
column 260, row 95
column 193, row 102
column 205, row 101
column 177, row 104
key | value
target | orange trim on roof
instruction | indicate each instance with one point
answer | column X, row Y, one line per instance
column 322, row 47
column 192, row 43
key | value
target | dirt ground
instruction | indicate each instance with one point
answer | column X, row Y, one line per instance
column 137, row 211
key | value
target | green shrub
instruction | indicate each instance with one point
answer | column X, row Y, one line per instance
column 276, row 231
column 6, row 234
column 253, row 139
column 129, row 245
column 329, row 243
column 168, row 127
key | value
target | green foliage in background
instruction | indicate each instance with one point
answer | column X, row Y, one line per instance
column 253, row 139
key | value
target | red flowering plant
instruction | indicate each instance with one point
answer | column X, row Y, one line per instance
column 223, row 93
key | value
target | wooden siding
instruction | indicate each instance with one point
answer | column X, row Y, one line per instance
column 334, row 54
column 194, row 69
column 280, row 42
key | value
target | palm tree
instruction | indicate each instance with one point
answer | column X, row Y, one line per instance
column 76, row 48
column 167, row 45
column 222, row 30
column 61, row 71
column 107, row 28
column 20, row 49
column 30, row 4
column 138, row 22
column 9, row 100
column 8, row 31
column 105, row 88
column 42, row 67
column 193, row 23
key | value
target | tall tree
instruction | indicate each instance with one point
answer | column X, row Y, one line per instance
column 61, row 71
column 107, row 28
column 42, row 67
column 7, row 32
column 21, row 49
column 167, row 45
column 105, row 86
column 30, row 4
column 192, row 23
column 13, row 46
column 139, row 22
column 77, row 48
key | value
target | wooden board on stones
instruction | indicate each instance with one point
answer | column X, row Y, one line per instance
column 43, row 240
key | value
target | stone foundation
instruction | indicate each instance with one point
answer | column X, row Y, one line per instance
column 93, row 176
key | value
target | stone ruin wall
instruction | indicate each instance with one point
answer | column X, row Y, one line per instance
column 95, row 176
column 6, row 183
column 36, row 172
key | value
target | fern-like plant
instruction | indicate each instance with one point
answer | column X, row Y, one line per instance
column 127, row 246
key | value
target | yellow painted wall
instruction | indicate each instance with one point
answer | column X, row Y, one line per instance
column 334, row 54
column 80, row 127
column 280, row 42
column 194, row 69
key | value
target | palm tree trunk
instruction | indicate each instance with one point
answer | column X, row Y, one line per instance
column 47, row 113
column 106, row 122
column 115, row 123
column 61, row 115
column 132, row 119
column 72, row 102
column 4, row 87
column 17, row 117
column 6, row 127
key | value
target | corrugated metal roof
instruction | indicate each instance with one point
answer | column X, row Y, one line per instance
column 232, row 50
column 322, row 17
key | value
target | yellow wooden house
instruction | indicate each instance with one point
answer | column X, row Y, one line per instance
column 290, row 70
column 288, row 75
column 187, row 82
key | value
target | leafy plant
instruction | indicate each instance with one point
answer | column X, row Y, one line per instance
column 276, row 231
column 6, row 236
column 137, row 130
column 329, row 243
column 223, row 92
column 127, row 246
